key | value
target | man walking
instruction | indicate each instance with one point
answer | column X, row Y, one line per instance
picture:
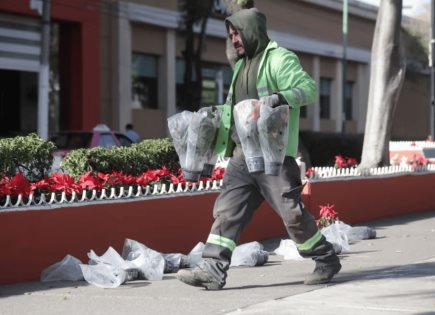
column 273, row 75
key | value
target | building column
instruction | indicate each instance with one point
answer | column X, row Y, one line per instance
column 336, row 97
column 170, row 86
column 316, row 106
column 124, row 70
column 362, row 96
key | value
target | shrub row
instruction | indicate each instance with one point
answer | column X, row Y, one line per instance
column 33, row 156
column 29, row 155
column 134, row 160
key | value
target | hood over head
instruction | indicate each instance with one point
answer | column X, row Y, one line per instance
column 251, row 25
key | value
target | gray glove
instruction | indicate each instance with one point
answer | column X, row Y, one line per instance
column 270, row 100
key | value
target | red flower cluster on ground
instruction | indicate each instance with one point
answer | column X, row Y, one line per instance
column 343, row 162
column 327, row 216
column 60, row 182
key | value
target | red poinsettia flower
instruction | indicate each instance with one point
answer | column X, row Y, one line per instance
column 144, row 179
column 309, row 173
column 89, row 181
column 327, row 215
column 161, row 172
column 123, row 179
column 218, row 173
column 351, row 162
column 41, row 186
column 64, row 183
column 343, row 162
column 5, row 188
column 340, row 161
column 19, row 185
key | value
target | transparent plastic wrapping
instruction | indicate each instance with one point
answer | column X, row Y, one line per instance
column 109, row 270
column 149, row 263
column 273, row 135
column 211, row 156
column 66, row 270
column 178, row 126
column 246, row 114
column 249, row 254
column 200, row 139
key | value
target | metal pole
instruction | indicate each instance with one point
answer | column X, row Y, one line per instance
column 431, row 65
column 344, row 68
column 44, row 71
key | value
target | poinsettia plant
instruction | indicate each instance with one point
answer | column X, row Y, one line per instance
column 344, row 162
column 418, row 162
column 327, row 216
column 310, row 172
column 61, row 182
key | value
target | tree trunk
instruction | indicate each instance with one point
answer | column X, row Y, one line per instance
column 387, row 75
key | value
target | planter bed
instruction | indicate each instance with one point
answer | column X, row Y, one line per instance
column 32, row 238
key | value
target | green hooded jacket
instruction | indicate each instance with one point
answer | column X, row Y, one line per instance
column 279, row 71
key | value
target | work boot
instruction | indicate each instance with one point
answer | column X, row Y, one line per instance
column 198, row 277
column 323, row 273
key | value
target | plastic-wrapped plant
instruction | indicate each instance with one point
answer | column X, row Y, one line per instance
column 178, row 126
column 246, row 114
column 273, row 135
column 200, row 139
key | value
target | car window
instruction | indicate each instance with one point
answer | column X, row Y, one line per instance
column 106, row 140
column 124, row 140
column 71, row 141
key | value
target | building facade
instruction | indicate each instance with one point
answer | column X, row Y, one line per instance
column 75, row 96
column 149, row 46
column 122, row 62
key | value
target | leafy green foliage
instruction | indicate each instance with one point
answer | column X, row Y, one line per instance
column 30, row 155
column 134, row 160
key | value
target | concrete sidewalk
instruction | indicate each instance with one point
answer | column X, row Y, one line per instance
column 392, row 274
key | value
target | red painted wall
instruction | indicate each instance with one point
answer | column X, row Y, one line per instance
column 80, row 60
column 32, row 240
column 363, row 199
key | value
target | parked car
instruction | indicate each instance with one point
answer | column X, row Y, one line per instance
column 99, row 136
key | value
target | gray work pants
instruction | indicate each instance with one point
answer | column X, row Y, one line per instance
column 242, row 193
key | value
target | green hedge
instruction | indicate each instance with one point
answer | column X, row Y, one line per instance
column 134, row 160
column 30, row 155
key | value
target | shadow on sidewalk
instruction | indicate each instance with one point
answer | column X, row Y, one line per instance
column 29, row 288
column 416, row 270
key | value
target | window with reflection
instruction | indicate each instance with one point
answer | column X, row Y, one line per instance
column 144, row 80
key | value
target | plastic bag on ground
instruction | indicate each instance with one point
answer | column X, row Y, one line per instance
column 194, row 258
column 68, row 269
column 288, row 249
column 109, row 270
column 246, row 114
column 111, row 257
column 273, row 136
column 249, row 254
column 357, row 233
column 173, row 262
column 149, row 263
column 336, row 233
column 200, row 139
column 104, row 275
